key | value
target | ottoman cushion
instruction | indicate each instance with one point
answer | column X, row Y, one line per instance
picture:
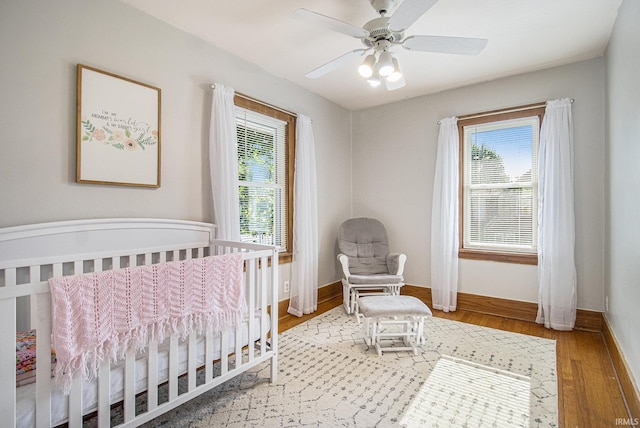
column 392, row 306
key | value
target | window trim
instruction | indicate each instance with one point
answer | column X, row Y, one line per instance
column 475, row 119
column 290, row 142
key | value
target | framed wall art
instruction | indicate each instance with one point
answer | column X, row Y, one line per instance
column 118, row 130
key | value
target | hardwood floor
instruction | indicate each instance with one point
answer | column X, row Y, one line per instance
column 589, row 394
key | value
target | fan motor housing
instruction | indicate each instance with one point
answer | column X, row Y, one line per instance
column 378, row 29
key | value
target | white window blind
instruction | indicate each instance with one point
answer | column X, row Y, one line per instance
column 262, row 178
column 500, row 185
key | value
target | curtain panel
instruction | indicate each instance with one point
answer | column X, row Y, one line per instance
column 223, row 163
column 444, row 219
column 304, row 272
column 556, row 219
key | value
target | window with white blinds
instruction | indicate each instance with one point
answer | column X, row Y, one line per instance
column 500, row 185
column 262, row 178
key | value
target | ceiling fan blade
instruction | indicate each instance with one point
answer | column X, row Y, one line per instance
column 392, row 86
column 330, row 23
column 333, row 64
column 444, row 44
column 408, row 13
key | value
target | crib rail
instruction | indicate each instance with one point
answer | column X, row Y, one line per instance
column 167, row 374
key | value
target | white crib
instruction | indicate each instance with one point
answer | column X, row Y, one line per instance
column 30, row 255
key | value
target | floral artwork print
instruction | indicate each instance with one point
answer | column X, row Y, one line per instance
column 118, row 134
column 121, row 138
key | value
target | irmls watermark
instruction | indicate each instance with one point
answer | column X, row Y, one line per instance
column 630, row 422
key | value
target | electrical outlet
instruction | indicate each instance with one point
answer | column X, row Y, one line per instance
column 606, row 303
column 286, row 286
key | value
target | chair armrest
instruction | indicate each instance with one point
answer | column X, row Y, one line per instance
column 344, row 261
column 395, row 263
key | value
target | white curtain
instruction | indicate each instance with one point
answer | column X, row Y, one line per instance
column 444, row 219
column 304, row 272
column 556, row 220
column 223, row 162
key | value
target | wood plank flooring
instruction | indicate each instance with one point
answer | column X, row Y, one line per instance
column 589, row 394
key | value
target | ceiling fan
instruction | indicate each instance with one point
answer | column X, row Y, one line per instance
column 381, row 34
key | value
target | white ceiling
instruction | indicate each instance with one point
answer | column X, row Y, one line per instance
column 524, row 35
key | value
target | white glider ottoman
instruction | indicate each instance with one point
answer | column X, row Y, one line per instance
column 393, row 317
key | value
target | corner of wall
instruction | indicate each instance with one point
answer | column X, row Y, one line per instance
column 351, row 162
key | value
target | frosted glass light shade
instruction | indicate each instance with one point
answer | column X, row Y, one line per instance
column 396, row 74
column 374, row 81
column 366, row 68
column 386, row 64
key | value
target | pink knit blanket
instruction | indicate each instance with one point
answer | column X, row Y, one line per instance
column 105, row 314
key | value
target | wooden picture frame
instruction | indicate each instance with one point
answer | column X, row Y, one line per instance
column 118, row 130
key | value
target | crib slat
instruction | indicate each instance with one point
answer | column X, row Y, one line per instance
column 191, row 349
column 56, row 270
column 173, row 367
column 10, row 277
column 238, row 351
column 152, row 375
column 42, row 303
column 251, row 274
column 208, row 357
column 129, row 385
column 8, row 356
column 224, row 352
column 263, row 303
column 34, row 275
column 104, row 394
column 75, row 403
column 273, row 290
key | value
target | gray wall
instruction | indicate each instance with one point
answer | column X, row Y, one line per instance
column 43, row 41
column 394, row 151
column 622, row 279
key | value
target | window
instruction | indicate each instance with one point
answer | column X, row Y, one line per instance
column 499, row 186
column 266, row 144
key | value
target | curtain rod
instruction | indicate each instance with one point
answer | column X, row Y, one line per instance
column 247, row 97
column 496, row 112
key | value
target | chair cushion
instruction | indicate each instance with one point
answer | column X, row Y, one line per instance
column 392, row 306
column 375, row 279
column 364, row 241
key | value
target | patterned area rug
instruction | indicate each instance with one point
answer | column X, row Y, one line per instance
column 327, row 377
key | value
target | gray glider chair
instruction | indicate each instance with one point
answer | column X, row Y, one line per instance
column 367, row 265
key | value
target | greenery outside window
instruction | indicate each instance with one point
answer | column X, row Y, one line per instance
column 266, row 149
column 499, row 185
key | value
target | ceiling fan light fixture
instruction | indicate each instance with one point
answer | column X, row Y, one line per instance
column 366, row 68
column 396, row 74
column 386, row 64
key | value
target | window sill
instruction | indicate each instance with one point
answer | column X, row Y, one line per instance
column 495, row 256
